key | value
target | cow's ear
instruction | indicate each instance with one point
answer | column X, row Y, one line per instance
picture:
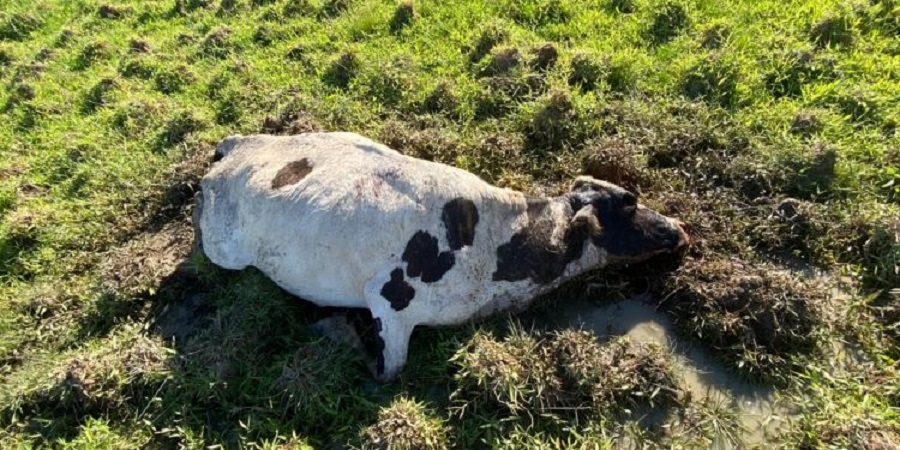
column 585, row 184
column 586, row 219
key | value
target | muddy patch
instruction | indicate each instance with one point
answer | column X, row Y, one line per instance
column 702, row 376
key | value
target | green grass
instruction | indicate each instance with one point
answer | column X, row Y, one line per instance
column 113, row 335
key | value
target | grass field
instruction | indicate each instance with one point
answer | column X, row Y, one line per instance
column 770, row 127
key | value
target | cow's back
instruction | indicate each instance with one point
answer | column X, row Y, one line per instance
column 321, row 213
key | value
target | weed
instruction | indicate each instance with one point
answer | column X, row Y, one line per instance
column 554, row 124
column 406, row 425
column 403, row 16
column 669, row 20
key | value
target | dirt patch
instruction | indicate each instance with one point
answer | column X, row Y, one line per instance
column 544, row 57
column 141, row 266
column 290, row 123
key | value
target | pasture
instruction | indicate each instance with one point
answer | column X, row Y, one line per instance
column 772, row 128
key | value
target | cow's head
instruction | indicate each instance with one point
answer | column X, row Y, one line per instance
column 627, row 230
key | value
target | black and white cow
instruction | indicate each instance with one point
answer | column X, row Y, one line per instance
column 343, row 221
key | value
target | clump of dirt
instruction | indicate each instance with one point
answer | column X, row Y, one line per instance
column 139, row 46
column 342, row 70
column 217, row 43
column 670, row 19
column 405, row 425
column 442, row 99
column 754, row 316
column 290, row 122
column 92, row 53
column 152, row 264
column 111, row 12
column 169, row 81
column 490, row 36
column 403, row 16
column 544, row 57
column 555, row 124
column 502, row 61
column 19, row 26
column 99, row 95
column 833, row 31
column 430, row 143
column 617, row 161
column 563, row 375
column 264, row 36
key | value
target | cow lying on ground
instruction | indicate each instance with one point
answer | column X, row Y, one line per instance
column 342, row 221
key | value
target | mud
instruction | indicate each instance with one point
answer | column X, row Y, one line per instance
column 702, row 376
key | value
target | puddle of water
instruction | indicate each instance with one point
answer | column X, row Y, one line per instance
column 705, row 378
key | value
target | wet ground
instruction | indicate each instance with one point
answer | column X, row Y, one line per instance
column 702, row 376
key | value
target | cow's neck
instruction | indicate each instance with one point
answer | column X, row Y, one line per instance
column 547, row 250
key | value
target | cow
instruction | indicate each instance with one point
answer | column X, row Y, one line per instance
column 342, row 221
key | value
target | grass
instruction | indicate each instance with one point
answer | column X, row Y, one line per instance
column 770, row 128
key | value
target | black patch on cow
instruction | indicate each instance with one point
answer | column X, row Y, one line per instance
column 379, row 347
column 292, row 173
column 423, row 258
column 460, row 217
column 398, row 291
column 530, row 253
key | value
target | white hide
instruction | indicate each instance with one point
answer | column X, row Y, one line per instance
column 334, row 237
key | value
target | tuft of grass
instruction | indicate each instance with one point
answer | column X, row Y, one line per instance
column 18, row 26
column 544, row 57
column 217, row 43
column 442, row 99
column 563, row 375
column 491, row 35
column 621, row 6
column 669, row 20
column 555, row 123
column 501, row 62
column 404, row 15
column 617, row 161
column 833, row 31
column 405, row 425
column 714, row 79
column 99, row 95
column 586, row 71
column 92, row 53
column 342, row 70
column 111, row 11
column 334, row 8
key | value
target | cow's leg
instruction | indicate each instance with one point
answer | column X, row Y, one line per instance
column 392, row 344
column 393, row 324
